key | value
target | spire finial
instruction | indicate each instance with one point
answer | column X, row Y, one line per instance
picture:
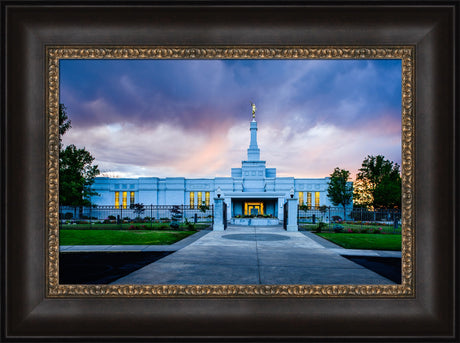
column 253, row 110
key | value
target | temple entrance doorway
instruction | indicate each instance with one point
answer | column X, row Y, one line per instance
column 253, row 208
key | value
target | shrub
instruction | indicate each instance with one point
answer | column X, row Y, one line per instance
column 364, row 230
column 336, row 219
column 111, row 217
column 338, row 228
column 174, row 225
column 379, row 230
column 320, row 227
column 68, row 215
column 189, row 226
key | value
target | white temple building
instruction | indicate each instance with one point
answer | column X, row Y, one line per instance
column 251, row 189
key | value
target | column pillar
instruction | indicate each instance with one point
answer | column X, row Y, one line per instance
column 292, row 215
column 218, row 214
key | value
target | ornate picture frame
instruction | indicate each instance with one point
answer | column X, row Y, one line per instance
column 36, row 307
column 405, row 54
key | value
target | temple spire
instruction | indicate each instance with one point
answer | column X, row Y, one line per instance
column 253, row 151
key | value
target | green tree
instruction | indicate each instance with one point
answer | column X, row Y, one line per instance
column 340, row 190
column 76, row 175
column 76, row 172
column 383, row 182
column 64, row 121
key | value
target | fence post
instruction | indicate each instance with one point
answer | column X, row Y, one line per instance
column 151, row 214
column 395, row 221
column 121, row 217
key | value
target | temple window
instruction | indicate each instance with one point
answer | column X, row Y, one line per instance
column 199, row 200
column 192, row 199
column 117, row 199
column 207, row 198
column 131, row 198
column 316, row 199
column 125, row 199
column 300, row 198
column 309, row 200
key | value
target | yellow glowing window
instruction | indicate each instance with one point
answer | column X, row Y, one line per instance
column 199, row 199
column 207, row 197
column 309, row 200
column 125, row 199
column 316, row 199
column 131, row 198
column 117, row 199
column 192, row 199
column 300, row 198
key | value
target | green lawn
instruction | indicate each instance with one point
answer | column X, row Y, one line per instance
column 121, row 237
column 346, row 226
column 364, row 240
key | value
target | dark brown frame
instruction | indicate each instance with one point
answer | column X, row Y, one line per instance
column 29, row 27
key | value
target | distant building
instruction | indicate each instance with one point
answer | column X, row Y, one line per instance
column 251, row 189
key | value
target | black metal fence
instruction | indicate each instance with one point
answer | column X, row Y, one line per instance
column 143, row 216
column 357, row 220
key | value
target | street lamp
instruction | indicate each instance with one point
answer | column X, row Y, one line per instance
column 291, row 192
column 218, row 192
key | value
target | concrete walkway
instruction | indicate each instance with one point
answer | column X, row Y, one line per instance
column 254, row 255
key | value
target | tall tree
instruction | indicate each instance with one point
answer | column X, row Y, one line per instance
column 340, row 190
column 64, row 122
column 76, row 171
column 76, row 175
column 383, row 181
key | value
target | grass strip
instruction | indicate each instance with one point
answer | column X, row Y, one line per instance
column 364, row 240
column 121, row 237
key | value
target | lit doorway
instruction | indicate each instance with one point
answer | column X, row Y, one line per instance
column 254, row 208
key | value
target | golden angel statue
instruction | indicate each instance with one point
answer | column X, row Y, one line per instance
column 253, row 109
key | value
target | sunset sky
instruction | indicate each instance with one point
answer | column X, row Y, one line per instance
column 190, row 118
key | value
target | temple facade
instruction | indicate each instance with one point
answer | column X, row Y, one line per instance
column 251, row 189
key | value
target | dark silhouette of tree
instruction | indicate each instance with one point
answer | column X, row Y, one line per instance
column 383, row 182
column 76, row 172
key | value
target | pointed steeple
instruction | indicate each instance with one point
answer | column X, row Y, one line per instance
column 253, row 151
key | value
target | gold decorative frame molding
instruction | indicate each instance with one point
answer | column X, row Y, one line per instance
column 407, row 56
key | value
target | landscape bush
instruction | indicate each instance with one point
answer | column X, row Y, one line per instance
column 320, row 227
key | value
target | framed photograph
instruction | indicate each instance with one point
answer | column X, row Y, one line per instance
column 61, row 94
column 261, row 223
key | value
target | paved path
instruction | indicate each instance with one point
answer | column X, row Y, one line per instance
column 254, row 255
